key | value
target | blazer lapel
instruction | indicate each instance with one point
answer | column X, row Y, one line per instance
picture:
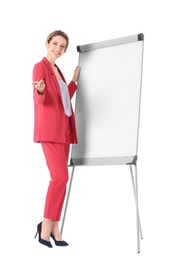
column 53, row 76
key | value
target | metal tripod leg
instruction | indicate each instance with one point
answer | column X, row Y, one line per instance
column 135, row 189
column 67, row 200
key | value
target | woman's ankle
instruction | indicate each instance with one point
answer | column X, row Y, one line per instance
column 55, row 230
column 46, row 229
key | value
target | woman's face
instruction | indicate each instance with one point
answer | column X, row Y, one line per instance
column 56, row 47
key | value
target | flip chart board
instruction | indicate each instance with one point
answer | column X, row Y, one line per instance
column 108, row 98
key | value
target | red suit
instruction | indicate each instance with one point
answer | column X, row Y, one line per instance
column 55, row 131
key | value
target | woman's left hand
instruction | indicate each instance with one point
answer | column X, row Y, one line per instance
column 76, row 74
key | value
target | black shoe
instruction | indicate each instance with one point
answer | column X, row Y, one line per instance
column 42, row 241
column 59, row 243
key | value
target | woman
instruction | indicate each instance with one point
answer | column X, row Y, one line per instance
column 54, row 128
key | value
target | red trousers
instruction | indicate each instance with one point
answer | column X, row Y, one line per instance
column 56, row 155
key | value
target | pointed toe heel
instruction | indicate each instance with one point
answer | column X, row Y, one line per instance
column 42, row 241
column 59, row 243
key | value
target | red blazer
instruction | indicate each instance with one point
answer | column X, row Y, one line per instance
column 49, row 117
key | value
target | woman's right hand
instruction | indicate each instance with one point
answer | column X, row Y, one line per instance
column 39, row 85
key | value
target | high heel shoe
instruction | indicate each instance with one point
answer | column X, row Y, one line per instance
column 42, row 241
column 58, row 242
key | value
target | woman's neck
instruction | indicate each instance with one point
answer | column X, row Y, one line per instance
column 52, row 62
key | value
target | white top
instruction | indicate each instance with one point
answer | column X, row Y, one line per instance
column 65, row 97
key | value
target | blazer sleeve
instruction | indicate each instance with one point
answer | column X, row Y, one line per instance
column 72, row 88
column 38, row 74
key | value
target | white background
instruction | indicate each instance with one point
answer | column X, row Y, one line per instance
column 100, row 222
